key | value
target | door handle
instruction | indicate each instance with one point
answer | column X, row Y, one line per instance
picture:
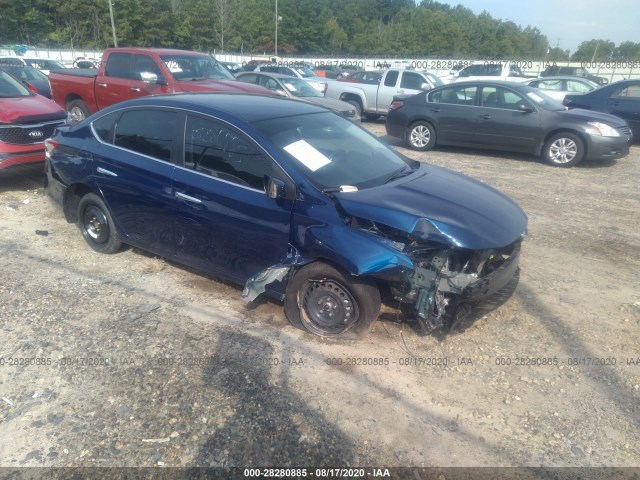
column 134, row 89
column 486, row 116
column 102, row 85
column 435, row 110
column 187, row 198
column 104, row 171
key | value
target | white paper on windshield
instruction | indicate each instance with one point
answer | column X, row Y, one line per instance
column 307, row 155
column 290, row 87
column 535, row 98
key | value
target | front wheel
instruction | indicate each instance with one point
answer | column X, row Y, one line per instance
column 96, row 225
column 563, row 150
column 421, row 136
column 78, row 110
column 326, row 302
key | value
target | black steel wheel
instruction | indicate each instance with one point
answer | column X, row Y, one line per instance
column 326, row 302
column 96, row 225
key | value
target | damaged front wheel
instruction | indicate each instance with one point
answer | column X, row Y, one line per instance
column 329, row 303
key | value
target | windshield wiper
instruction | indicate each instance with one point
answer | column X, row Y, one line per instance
column 403, row 172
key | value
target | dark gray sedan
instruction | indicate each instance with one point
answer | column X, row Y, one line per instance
column 293, row 87
column 507, row 116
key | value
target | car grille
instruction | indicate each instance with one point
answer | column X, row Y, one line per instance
column 28, row 134
column 624, row 131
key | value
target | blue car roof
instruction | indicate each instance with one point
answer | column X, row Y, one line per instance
column 246, row 107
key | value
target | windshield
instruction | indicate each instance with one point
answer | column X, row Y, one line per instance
column 333, row 152
column 305, row 72
column 26, row 73
column 44, row 64
column 196, row 67
column 299, row 88
column 11, row 87
column 541, row 99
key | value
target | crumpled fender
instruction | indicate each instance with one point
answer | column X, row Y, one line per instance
column 357, row 252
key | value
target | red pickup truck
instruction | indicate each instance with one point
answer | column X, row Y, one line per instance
column 127, row 73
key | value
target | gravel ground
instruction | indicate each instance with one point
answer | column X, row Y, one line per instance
column 131, row 360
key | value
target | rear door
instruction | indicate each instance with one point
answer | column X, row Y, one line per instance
column 226, row 222
column 133, row 169
column 454, row 111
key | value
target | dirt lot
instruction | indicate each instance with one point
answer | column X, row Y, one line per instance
column 129, row 360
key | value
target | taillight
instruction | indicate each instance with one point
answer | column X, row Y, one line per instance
column 396, row 104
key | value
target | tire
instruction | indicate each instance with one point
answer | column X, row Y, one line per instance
column 356, row 105
column 563, row 150
column 96, row 225
column 421, row 136
column 326, row 302
column 371, row 116
column 78, row 110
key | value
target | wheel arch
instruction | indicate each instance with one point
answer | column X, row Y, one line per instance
column 72, row 197
column 581, row 135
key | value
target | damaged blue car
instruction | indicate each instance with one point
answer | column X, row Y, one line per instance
column 289, row 200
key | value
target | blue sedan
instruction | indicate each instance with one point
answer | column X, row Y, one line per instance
column 291, row 200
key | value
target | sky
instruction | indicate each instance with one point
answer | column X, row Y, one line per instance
column 567, row 23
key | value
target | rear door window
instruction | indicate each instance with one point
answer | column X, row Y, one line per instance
column 149, row 132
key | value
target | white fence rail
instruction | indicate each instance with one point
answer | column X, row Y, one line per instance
column 612, row 70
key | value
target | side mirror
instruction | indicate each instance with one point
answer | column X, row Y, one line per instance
column 523, row 107
column 425, row 86
column 148, row 77
column 275, row 188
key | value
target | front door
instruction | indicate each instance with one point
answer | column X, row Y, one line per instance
column 502, row 123
column 226, row 221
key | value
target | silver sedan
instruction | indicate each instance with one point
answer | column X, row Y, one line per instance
column 300, row 89
column 558, row 87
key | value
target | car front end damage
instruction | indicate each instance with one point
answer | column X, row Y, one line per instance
column 447, row 284
column 443, row 246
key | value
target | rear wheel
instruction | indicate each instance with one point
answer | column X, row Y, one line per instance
column 421, row 136
column 356, row 105
column 326, row 302
column 96, row 225
column 563, row 150
column 78, row 110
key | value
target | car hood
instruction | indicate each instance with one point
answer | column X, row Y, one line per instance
column 29, row 109
column 439, row 205
column 229, row 86
column 591, row 115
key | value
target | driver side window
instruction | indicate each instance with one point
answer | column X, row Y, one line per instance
column 217, row 150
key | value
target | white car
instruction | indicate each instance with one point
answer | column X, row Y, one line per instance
column 558, row 87
column 45, row 65
column 491, row 70
column 301, row 71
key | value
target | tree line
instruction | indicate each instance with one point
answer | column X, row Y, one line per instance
column 329, row 28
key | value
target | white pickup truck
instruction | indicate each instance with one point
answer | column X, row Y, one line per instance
column 371, row 101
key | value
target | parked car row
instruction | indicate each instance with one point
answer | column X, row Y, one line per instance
column 289, row 199
column 507, row 116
